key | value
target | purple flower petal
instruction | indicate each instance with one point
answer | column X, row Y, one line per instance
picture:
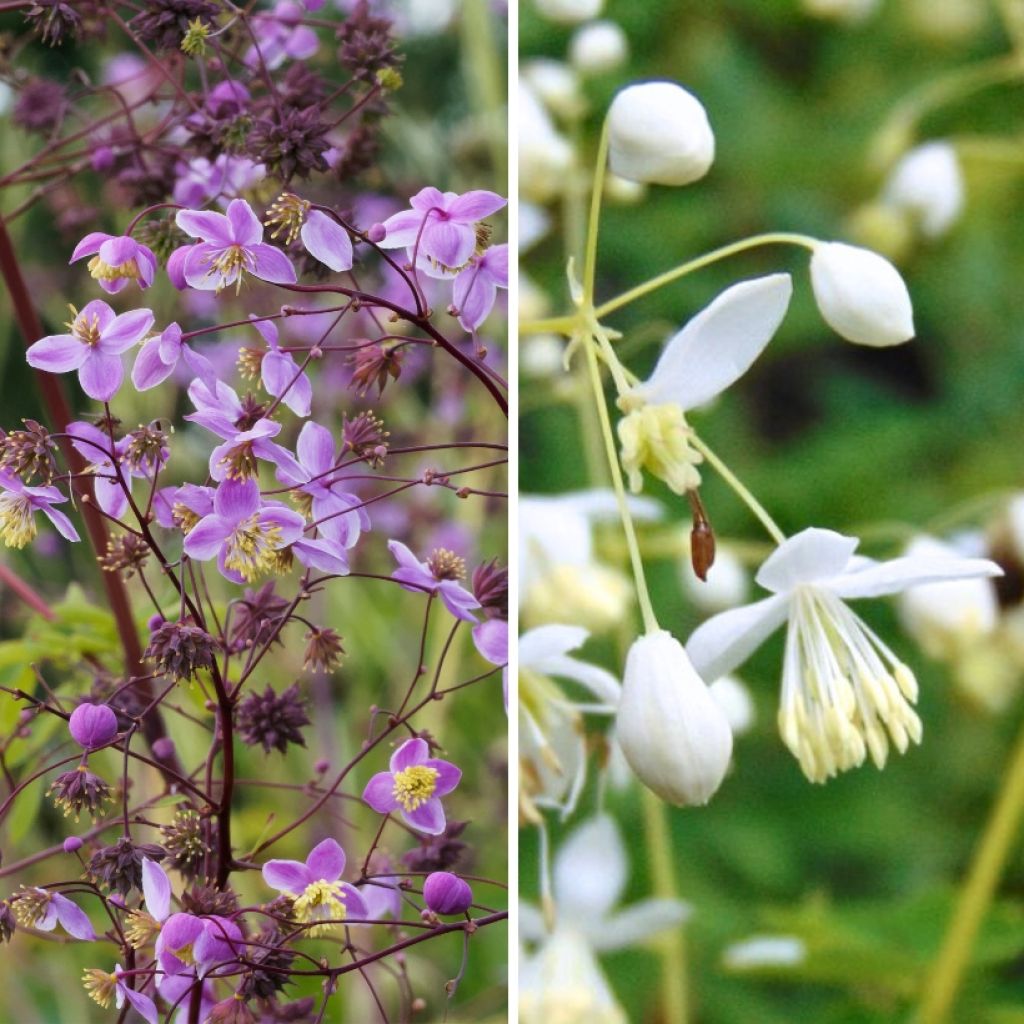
column 100, row 375
column 403, row 556
column 475, row 205
column 110, row 496
column 207, row 537
column 315, row 448
column 156, row 889
column 327, row 240
column 90, row 245
column 324, row 554
column 143, row 1005
column 302, row 43
column 402, row 229
column 57, row 353
column 197, row 270
column 428, row 198
column 176, row 266
column 207, row 225
column 272, row 265
column 118, row 249
column 427, row 818
column 246, row 228
column 125, row 331
column 170, row 343
column 448, row 243
column 62, row 523
column 458, row 600
column 447, row 775
column 326, row 861
column 379, row 793
column 97, row 310
column 287, row 876
column 290, row 523
column 491, row 639
column 355, row 905
column 236, row 500
column 150, row 368
column 473, row 295
column 73, row 918
column 411, row 752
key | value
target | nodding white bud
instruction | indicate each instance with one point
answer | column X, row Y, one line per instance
column 556, row 85
column 545, row 156
column 672, row 732
column 929, row 185
column 659, row 134
column 598, row 48
column 861, row 295
column 569, row 11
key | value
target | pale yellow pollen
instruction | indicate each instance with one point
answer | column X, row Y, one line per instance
column 239, row 462
column 183, row 516
column 100, row 986
column 657, row 438
column 321, row 902
column 414, row 786
column 17, row 524
column 84, row 329
column 446, row 565
column 228, row 263
column 287, row 213
column 252, row 548
column 141, row 928
column 108, row 272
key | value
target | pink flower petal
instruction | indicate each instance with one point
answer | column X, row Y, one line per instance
column 411, row 752
column 327, row 240
column 272, row 265
column 100, row 375
column 57, row 353
column 379, row 793
column 326, row 861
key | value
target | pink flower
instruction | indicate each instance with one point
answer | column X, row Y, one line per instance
column 18, row 505
column 414, row 786
column 229, row 246
column 439, row 574
column 476, row 286
column 159, row 356
column 116, row 260
column 93, row 347
column 281, row 374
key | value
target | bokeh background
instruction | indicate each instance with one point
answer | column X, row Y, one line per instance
column 863, row 441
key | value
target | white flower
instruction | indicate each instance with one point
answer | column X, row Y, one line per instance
column 569, row 11
column 850, row 11
column 711, row 352
column 563, row 982
column 534, row 224
column 545, row 156
column 928, row 183
column 842, row 687
column 861, row 295
column 760, row 951
column 540, row 355
column 552, row 745
column 598, row 48
column 726, row 586
column 659, row 133
column 556, row 85
column 674, row 735
column 947, row 618
column 560, row 579
column 736, row 703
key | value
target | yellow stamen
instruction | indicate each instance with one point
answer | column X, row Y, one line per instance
column 252, row 548
column 321, row 901
column 141, row 928
column 415, row 785
column 108, row 272
column 17, row 524
column 84, row 329
column 100, row 985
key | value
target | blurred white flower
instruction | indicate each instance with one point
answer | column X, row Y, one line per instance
column 556, row 85
column 737, row 705
column 552, row 742
column 569, row 11
column 659, row 134
column 545, row 156
column 861, row 295
column 842, row 687
column 540, row 355
column 928, row 183
column 765, row 951
column 710, row 353
column 534, row 224
column 727, row 585
column 563, row 983
column 599, row 47
column 850, row 11
column 672, row 732
column 622, row 190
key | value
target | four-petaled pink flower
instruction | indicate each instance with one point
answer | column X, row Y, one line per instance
column 320, row 898
column 414, row 786
column 243, row 531
column 18, row 506
column 439, row 574
column 116, row 260
column 93, row 347
column 476, row 286
column 441, row 226
column 229, row 245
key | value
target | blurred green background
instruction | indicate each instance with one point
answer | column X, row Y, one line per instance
column 829, row 434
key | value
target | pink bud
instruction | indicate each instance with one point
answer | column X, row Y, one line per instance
column 376, row 233
column 446, row 893
column 72, row 843
column 163, row 748
column 102, row 158
column 92, row 725
column 155, row 622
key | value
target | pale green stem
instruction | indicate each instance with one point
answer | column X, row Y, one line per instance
column 672, row 947
column 612, row 457
column 485, row 71
column 772, row 238
column 986, row 869
column 745, row 496
column 597, row 190
column 550, row 325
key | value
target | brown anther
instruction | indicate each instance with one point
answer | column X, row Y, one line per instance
column 702, row 538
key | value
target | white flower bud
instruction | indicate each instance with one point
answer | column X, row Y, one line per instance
column 620, row 190
column 545, row 156
column 659, row 133
column 674, row 735
column 556, row 85
column 861, row 295
column 569, row 11
column 929, row 185
column 540, row 355
column 598, row 48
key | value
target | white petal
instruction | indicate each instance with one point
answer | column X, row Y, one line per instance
column 597, row 680
column 544, row 642
column 531, row 923
column 638, row 923
column 720, row 343
column 765, row 951
column 900, row 573
column 725, row 641
column 811, row 555
column 600, row 505
column 590, row 872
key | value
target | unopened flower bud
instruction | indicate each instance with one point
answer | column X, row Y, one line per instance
column 163, row 748
column 557, row 85
column 92, row 725
column 376, row 233
column 929, row 185
column 569, row 11
column 861, row 295
column 72, row 843
column 598, row 48
column 673, row 734
column 446, row 893
column 659, row 133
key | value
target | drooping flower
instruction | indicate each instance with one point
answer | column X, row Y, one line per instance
column 159, row 357
column 414, row 786
column 928, row 184
column 226, row 178
column 229, row 246
column 116, row 260
column 243, row 531
column 476, row 286
column 673, row 733
column 43, row 909
column 843, row 689
column 104, row 988
column 93, row 347
column 281, row 374
column 439, row 574
column 708, row 355
column 92, row 725
column 598, row 48
column 321, row 899
column 441, row 226
column 658, row 133
column 18, row 506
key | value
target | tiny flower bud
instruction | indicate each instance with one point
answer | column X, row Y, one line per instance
column 92, row 725
column 72, row 843
column 446, row 893
column 163, row 748
column 673, row 734
column 929, row 185
column 376, row 233
column 598, row 48
column 659, row 133
column 861, row 295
